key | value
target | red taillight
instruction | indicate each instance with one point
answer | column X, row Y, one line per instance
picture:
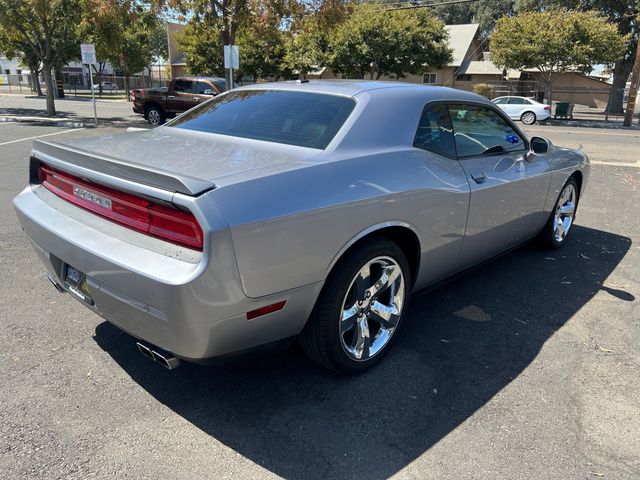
column 547, row 107
column 165, row 222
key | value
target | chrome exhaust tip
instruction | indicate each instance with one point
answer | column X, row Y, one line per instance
column 56, row 285
column 144, row 350
column 167, row 361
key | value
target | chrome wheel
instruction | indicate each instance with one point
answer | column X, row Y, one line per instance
column 154, row 117
column 528, row 118
column 565, row 212
column 372, row 308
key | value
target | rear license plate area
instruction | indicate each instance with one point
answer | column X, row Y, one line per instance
column 76, row 282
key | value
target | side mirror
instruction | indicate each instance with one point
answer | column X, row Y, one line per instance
column 538, row 145
column 208, row 91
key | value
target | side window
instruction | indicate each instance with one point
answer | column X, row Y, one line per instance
column 500, row 101
column 434, row 131
column 183, row 86
column 481, row 131
column 517, row 101
column 202, row 87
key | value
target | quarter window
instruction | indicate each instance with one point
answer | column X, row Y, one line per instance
column 482, row 131
column 434, row 131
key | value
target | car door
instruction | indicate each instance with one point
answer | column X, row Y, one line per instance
column 444, row 196
column 515, row 107
column 181, row 98
column 508, row 187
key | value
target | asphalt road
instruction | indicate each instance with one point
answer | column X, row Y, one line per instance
column 526, row 368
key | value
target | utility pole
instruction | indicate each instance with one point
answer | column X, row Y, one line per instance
column 633, row 89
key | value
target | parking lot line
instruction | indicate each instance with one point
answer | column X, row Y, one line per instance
column 616, row 164
column 40, row 136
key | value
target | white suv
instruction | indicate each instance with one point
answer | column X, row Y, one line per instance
column 524, row 109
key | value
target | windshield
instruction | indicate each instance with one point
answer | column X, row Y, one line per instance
column 294, row 118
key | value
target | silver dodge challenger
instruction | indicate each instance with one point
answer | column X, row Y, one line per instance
column 307, row 209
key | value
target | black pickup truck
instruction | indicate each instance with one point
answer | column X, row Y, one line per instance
column 183, row 93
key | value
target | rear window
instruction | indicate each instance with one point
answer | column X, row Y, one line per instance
column 294, row 118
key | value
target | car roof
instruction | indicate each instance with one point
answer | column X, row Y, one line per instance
column 351, row 88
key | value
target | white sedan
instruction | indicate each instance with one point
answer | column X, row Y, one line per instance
column 106, row 86
column 527, row 110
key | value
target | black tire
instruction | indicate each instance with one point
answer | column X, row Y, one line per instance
column 547, row 237
column 528, row 118
column 321, row 338
column 155, row 116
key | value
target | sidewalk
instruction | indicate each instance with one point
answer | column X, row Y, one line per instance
column 72, row 111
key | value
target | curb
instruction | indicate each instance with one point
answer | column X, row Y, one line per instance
column 54, row 122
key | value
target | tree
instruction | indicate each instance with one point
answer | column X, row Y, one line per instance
column 134, row 51
column 624, row 14
column 13, row 47
column 200, row 41
column 375, row 42
column 224, row 16
column 47, row 28
column 484, row 12
column 307, row 42
column 261, row 39
column 554, row 42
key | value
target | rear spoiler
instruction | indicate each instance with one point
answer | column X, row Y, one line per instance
column 57, row 153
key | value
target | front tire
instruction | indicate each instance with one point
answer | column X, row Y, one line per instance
column 528, row 118
column 555, row 232
column 360, row 308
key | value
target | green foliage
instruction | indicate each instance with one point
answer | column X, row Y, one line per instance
column 484, row 12
column 202, row 47
column 483, row 89
column 375, row 42
column 556, row 41
column 47, row 29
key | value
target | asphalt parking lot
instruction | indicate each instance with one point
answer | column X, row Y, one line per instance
column 525, row 368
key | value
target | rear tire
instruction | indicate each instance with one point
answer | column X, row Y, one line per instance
column 528, row 118
column 361, row 307
column 555, row 233
column 155, row 116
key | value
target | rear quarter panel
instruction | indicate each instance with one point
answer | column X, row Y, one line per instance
column 289, row 229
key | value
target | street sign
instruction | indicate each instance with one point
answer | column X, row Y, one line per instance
column 88, row 53
column 231, row 57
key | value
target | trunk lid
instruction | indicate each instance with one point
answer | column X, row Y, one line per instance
column 178, row 160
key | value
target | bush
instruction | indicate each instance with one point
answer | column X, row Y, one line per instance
column 482, row 89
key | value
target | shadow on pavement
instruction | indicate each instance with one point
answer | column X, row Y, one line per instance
column 461, row 345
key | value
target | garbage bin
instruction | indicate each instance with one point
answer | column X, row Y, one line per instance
column 563, row 109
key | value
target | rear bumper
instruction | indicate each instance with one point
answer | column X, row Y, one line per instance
column 188, row 303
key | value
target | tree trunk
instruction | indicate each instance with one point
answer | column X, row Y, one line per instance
column 48, row 79
column 36, row 81
column 621, row 72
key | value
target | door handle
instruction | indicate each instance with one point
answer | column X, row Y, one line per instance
column 171, row 96
column 196, row 99
column 479, row 177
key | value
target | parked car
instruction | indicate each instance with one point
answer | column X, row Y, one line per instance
column 106, row 86
column 527, row 110
column 183, row 93
column 286, row 210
